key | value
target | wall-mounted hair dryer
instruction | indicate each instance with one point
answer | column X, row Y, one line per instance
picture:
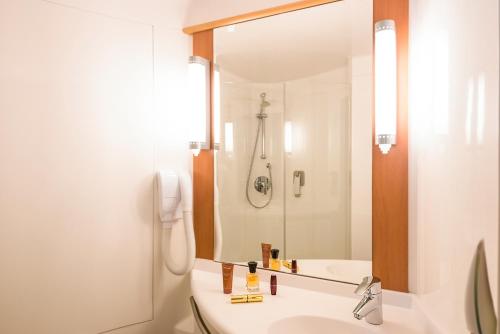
column 175, row 194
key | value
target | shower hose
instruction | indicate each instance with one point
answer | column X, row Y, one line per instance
column 250, row 173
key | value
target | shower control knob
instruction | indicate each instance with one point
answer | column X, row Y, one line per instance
column 262, row 184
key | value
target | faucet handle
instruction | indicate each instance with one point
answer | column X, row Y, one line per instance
column 370, row 284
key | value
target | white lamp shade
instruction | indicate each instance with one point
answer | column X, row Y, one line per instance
column 385, row 84
column 199, row 103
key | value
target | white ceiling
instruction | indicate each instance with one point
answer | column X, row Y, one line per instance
column 296, row 44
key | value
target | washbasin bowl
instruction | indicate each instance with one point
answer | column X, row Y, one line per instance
column 312, row 324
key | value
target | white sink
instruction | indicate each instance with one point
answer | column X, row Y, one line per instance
column 301, row 305
column 311, row 324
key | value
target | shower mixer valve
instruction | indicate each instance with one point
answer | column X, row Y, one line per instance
column 262, row 184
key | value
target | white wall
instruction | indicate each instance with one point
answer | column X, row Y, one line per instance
column 454, row 150
column 164, row 297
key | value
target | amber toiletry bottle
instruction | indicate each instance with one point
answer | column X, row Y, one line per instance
column 227, row 277
column 275, row 261
column 253, row 283
column 266, row 254
column 294, row 266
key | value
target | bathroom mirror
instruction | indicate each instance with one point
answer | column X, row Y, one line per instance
column 292, row 105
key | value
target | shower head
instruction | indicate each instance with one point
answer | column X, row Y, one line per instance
column 263, row 102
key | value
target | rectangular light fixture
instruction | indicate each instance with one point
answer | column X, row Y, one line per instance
column 199, row 103
column 288, row 137
column 217, row 106
column 385, row 85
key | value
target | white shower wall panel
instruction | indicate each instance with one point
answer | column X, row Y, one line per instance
column 317, row 222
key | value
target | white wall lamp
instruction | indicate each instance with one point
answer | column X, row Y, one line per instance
column 199, row 102
column 385, row 85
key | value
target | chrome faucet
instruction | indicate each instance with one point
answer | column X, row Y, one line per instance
column 370, row 306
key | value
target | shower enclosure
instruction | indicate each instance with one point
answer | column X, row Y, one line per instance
column 283, row 167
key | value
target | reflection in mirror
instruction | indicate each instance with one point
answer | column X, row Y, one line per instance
column 294, row 165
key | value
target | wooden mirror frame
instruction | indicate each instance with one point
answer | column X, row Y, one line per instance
column 389, row 172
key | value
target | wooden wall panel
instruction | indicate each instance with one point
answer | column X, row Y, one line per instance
column 390, row 171
column 203, row 170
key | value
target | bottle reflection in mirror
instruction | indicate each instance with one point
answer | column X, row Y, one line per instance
column 275, row 261
column 266, row 254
